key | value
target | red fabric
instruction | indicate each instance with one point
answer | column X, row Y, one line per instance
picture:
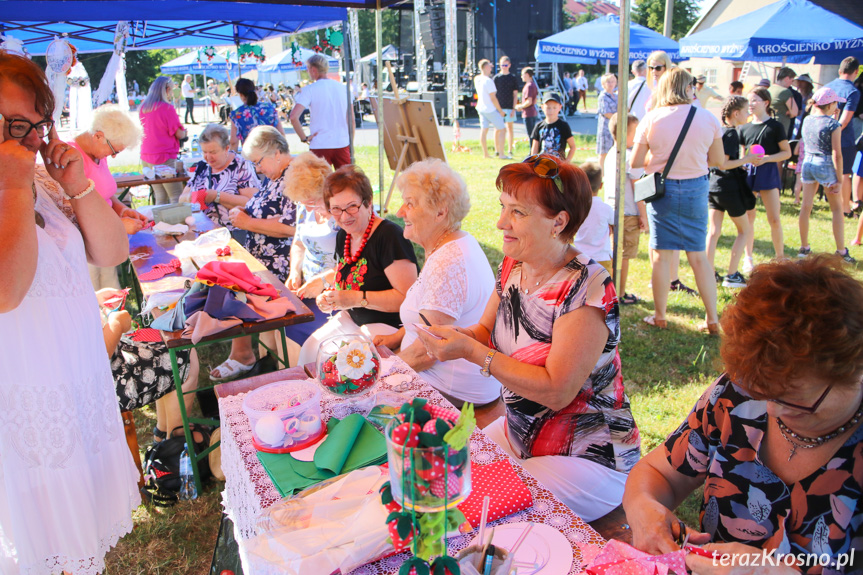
column 235, row 276
column 507, row 493
column 146, row 334
column 160, row 270
column 338, row 157
column 199, row 197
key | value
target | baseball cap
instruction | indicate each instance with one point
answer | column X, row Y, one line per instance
column 825, row 95
column 701, row 79
column 552, row 96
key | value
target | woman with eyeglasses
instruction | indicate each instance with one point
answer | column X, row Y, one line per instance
column 678, row 220
column 111, row 131
column 375, row 266
column 68, row 484
column 549, row 334
column 269, row 219
column 776, row 441
column 162, row 134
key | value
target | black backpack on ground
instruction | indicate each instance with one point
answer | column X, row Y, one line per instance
column 162, row 466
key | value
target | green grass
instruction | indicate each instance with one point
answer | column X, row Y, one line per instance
column 665, row 371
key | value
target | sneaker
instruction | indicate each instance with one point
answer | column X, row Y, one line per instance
column 678, row 285
column 719, row 276
column 748, row 265
column 846, row 256
column 804, row 251
column 735, row 280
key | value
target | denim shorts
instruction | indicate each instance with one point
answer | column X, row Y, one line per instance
column 678, row 221
column 858, row 164
column 491, row 119
column 509, row 118
column 818, row 169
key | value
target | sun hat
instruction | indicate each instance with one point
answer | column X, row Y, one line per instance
column 764, row 83
column 701, row 79
column 825, row 95
column 805, row 78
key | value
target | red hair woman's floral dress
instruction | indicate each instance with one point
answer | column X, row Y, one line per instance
column 744, row 501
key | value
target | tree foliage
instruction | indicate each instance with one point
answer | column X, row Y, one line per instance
column 366, row 25
column 651, row 13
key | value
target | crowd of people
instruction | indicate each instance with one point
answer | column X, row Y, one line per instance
column 775, row 440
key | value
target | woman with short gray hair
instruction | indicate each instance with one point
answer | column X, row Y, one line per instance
column 223, row 180
column 270, row 218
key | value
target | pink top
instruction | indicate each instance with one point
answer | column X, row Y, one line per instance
column 660, row 128
column 99, row 173
column 160, row 124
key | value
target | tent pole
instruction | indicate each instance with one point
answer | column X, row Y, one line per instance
column 207, row 106
column 380, row 85
column 622, row 114
column 346, row 64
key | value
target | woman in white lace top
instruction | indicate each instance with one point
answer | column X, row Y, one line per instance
column 68, row 484
column 454, row 285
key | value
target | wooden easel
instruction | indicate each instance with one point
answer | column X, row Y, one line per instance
column 412, row 146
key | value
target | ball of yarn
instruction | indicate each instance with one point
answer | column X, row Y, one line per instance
column 270, row 430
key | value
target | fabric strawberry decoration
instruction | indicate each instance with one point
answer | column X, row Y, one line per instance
column 407, row 435
column 452, row 482
column 415, row 566
column 389, row 503
column 402, row 530
column 445, row 566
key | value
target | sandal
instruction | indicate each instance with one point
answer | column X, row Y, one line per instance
column 629, row 299
column 159, row 435
column 678, row 285
column 230, row 369
column 709, row 328
column 657, row 323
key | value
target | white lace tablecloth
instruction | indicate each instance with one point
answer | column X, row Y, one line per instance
column 248, row 488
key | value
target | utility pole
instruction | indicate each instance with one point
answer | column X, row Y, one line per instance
column 669, row 15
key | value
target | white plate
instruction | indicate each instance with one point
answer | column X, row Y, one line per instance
column 546, row 551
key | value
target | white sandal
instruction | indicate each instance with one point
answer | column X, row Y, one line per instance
column 230, row 369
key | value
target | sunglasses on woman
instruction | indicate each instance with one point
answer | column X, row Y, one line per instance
column 546, row 168
column 657, row 68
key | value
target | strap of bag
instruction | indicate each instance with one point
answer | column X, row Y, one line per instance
column 679, row 141
column 635, row 97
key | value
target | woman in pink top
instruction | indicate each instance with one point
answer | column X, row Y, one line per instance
column 678, row 221
column 111, row 132
column 162, row 134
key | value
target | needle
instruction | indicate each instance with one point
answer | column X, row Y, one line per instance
column 425, row 321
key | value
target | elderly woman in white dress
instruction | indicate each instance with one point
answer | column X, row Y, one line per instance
column 68, row 484
column 454, row 285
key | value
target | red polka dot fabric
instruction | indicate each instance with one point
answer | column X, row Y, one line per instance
column 507, row 493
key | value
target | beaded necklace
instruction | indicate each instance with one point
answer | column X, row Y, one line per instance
column 799, row 441
column 348, row 257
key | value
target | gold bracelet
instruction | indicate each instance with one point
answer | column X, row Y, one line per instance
column 485, row 370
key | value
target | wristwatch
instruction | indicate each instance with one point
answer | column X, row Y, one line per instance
column 364, row 302
column 485, row 369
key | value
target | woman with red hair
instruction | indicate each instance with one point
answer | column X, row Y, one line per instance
column 776, row 441
column 568, row 419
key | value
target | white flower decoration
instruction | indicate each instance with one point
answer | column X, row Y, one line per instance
column 354, row 360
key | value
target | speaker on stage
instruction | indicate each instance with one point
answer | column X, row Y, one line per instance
column 426, row 35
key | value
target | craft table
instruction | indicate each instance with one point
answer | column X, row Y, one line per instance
column 129, row 182
column 249, row 489
column 146, row 249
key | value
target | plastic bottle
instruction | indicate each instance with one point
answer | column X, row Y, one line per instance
column 187, row 480
column 196, row 147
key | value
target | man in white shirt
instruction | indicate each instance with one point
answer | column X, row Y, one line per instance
column 189, row 94
column 490, row 112
column 703, row 92
column 581, row 86
column 331, row 119
column 639, row 91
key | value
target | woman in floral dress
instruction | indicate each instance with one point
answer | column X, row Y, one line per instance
column 269, row 218
column 251, row 114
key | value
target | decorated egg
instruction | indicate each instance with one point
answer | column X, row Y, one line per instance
column 270, row 430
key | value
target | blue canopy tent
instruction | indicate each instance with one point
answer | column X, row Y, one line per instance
column 597, row 40
column 788, row 30
column 188, row 63
column 90, row 24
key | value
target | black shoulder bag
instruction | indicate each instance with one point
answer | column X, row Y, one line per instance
column 652, row 186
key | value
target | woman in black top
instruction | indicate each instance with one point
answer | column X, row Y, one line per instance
column 375, row 265
column 729, row 192
column 764, row 175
